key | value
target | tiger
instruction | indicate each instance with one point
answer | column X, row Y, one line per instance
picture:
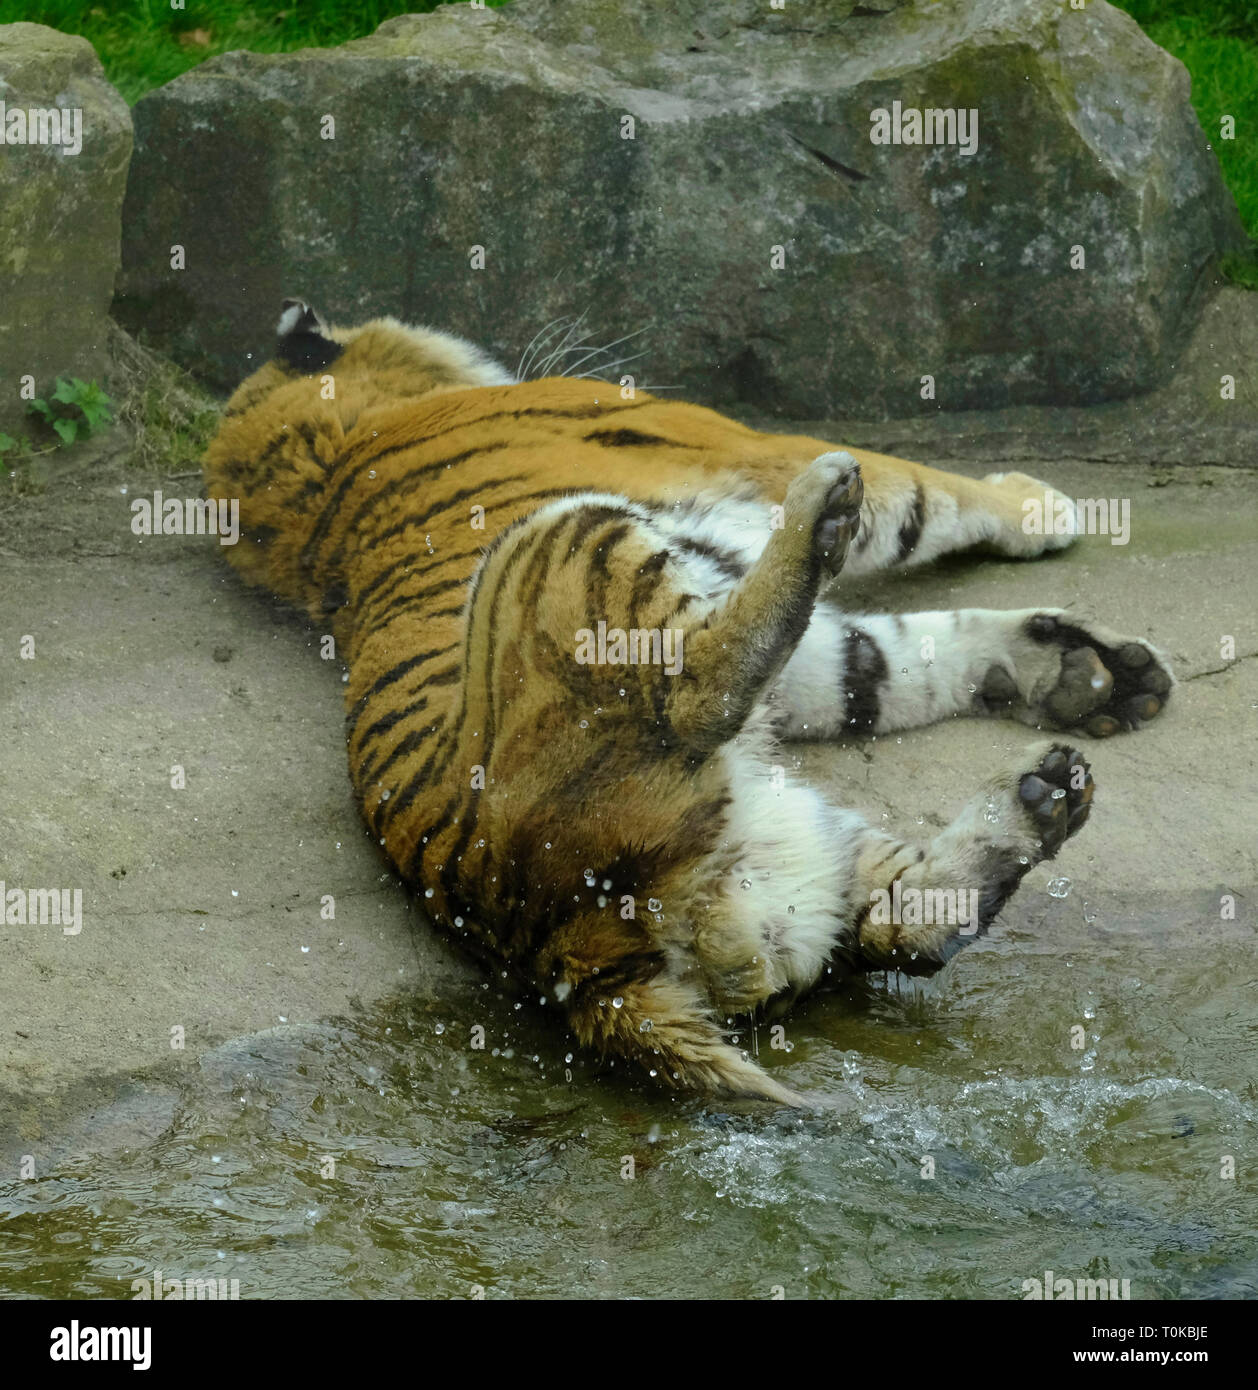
column 579, row 620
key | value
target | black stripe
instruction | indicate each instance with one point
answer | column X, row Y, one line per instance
column 537, row 571
column 584, row 412
column 438, row 563
column 440, row 759
column 581, row 413
column 389, row 721
column 401, row 603
column 650, row 576
column 590, row 517
column 631, row 439
column 332, row 508
column 598, row 572
column 390, row 677
column 400, row 572
column 864, row 670
column 636, row 967
column 681, row 605
column 412, row 743
column 450, row 874
column 725, row 560
column 354, row 529
column 911, row 527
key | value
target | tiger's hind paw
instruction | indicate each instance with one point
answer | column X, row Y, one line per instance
column 1104, row 683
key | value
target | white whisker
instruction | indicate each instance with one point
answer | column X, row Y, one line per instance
column 607, row 347
column 535, row 341
column 606, row 368
column 542, row 341
column 542, row 368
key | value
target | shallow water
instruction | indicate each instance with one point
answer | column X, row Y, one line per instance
column 505, row 1170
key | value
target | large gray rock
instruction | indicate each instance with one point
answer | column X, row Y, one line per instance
column 751, row 131
column 60, row 211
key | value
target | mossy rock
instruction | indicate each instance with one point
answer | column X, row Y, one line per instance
column 60, row 213
column 751, row 130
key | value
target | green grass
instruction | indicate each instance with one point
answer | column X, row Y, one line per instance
column 1236, row 18
column 1217, row 41
column 145, row 43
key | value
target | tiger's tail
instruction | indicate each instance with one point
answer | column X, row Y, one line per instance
column 663, row 1026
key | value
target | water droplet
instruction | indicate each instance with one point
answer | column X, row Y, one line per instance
column 645, row 1026
column 428, row 892
column 1059, row 887
column 583, row 723
column 746, row 883
column 618, row 1002
column 654, row 904
column 441, row 1028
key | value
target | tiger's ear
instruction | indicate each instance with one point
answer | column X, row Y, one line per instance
column 303, row 343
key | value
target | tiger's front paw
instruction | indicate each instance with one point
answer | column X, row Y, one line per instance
column 823, row 503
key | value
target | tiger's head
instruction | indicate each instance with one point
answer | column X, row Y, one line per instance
column 415, row 361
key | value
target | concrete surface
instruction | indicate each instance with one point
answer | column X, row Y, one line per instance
column 199, row 904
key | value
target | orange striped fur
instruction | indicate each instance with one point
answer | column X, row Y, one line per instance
column 578, row 822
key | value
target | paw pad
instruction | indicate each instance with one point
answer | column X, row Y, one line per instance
column 840, row 514
column 1057, row 795
column 1102, row 686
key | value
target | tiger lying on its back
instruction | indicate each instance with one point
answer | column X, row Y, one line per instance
column 493, row 554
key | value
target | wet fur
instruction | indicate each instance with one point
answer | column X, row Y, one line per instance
column 617, row 835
